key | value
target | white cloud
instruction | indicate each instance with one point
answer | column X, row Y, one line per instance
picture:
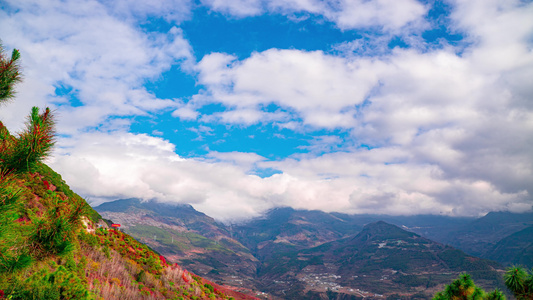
column 185, row 113
column 346, row 14
column 391, row 15
column 323, row 89
column 82, row 47
column 448, row 133
column 238, row 8
column 456, row 128
column 121, row 165
column 171, row 10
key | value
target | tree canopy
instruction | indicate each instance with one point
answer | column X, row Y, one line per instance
column 517, row 280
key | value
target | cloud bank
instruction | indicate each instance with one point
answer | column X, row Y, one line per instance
column 445, row 129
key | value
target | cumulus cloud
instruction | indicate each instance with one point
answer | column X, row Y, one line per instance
column 323, row 89
column 171, row 10
column 435, row 131
column 462, row 119
column 388, row 15
column 105, row 166
column 89, row 54
column 237, row 8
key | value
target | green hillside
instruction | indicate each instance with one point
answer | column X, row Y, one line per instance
column 53, row 245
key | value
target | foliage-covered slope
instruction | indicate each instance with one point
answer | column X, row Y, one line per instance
column 186, row 236
column 53, row 245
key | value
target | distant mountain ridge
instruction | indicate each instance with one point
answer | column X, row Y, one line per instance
column 481, row 235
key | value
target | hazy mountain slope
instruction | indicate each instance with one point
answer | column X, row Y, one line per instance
column 515, row 249
column 54, row 246
column 481, row 235
column 187, row 237
column 434, row 227
column 286, row 229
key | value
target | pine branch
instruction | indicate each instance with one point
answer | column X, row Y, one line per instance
column 9, row 74
column 32, row 146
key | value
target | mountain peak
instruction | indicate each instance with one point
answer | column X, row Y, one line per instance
column 381, row 230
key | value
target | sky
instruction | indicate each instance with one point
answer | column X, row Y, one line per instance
column 236, row 107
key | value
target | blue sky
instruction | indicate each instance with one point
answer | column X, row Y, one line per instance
column 236, row 107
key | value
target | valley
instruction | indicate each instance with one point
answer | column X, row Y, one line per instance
column 296, row 254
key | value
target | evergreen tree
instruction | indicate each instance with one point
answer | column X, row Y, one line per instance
column 463, row 288
column 9, row 74
column 519, row 282
column 20, row 153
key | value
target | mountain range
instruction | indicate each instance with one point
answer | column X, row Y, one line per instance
column 299, row 254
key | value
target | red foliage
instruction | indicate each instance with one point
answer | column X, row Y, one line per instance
column 46, row 185
column 162, row 259
column 146, row 289
column 23, row 220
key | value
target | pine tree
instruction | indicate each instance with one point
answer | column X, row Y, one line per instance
column 9, row 74
column 519, row 282
column 463, row 288
column 21, row 153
